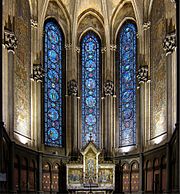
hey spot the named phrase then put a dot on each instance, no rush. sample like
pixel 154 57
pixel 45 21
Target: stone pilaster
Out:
pixel 169 46
pixel 108 132
pixel 112 59
pixel 141 173
pixel 69 73
pixel 142 76
pixel 72 92
pixel 10 43
pixel 39 185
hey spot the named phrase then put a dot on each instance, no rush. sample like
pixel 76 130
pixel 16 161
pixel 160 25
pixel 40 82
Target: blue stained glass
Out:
pixel 90 53
pixel 127 84
pixel 52 84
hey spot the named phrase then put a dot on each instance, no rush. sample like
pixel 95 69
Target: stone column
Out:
pixel 36 78
pixel 68 141
pixel 142 77
pixel 10 43
pixel 34 93
pixel 108 141
pixel 112 59
pixel 72 92
pixel 147 60
pixel 141 173
pixel 69 70
pixel 103 53
pixel 169 46
pixel 113 65
pixel 39 179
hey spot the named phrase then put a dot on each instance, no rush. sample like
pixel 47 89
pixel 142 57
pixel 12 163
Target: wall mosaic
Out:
pixel 158 67
pixel 22 64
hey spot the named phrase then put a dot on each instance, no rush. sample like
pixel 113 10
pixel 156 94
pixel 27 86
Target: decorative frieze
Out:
pixel 108 88
pixel 34 23
pixel 10 41
pixel 169 43
pixel 38 73
pixel 146 25
pixel 72 88
pixel 142 74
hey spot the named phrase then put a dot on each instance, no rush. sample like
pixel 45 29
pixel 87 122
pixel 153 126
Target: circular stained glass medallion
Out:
pixel 53 56
pixel 52 132
pixel 127 114
pixel 90 119
pixel 127 76
pixel 90 46
pixel 90 84
pixel 90 65
pixel 53 114
pixel 53 76
pixel 90 101
pixel 53 95
pixel 127 96
pixel 53 37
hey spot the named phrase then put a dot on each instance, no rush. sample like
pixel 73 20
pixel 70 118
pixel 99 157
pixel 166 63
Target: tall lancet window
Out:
pixel 53 84
pixel 90 75
pixel 127 84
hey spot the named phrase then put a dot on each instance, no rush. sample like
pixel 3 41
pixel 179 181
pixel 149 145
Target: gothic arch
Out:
pixel 118 17
pixel 96 25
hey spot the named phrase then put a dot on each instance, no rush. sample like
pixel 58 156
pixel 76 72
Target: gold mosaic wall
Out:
pixel 22 65
pixel 158 70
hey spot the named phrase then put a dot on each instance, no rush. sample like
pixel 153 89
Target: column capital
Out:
pixel 10 41
pixel 146 25
pixel 34 23
pixel 72 87
pixel 38 73
pixel 108 88
pixel 174 2
pixel 142 74
pixel 169 43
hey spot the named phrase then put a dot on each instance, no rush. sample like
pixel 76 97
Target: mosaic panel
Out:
pixel 158 71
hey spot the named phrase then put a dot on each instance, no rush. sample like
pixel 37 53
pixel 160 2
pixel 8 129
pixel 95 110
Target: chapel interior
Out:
pixel 89 97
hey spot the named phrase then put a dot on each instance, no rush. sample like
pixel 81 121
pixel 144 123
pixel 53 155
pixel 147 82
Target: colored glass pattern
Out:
pixel 127 85
pixel 90 47
pixel 53 84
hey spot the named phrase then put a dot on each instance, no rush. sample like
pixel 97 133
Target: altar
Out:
pixel 91 175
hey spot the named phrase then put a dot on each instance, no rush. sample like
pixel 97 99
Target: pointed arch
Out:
pixel 90 87
pixel 126 83
pixel 54 84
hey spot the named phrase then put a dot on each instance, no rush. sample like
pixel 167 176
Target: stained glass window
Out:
pixel 53 103
pixel 90 56
pixel 127 84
